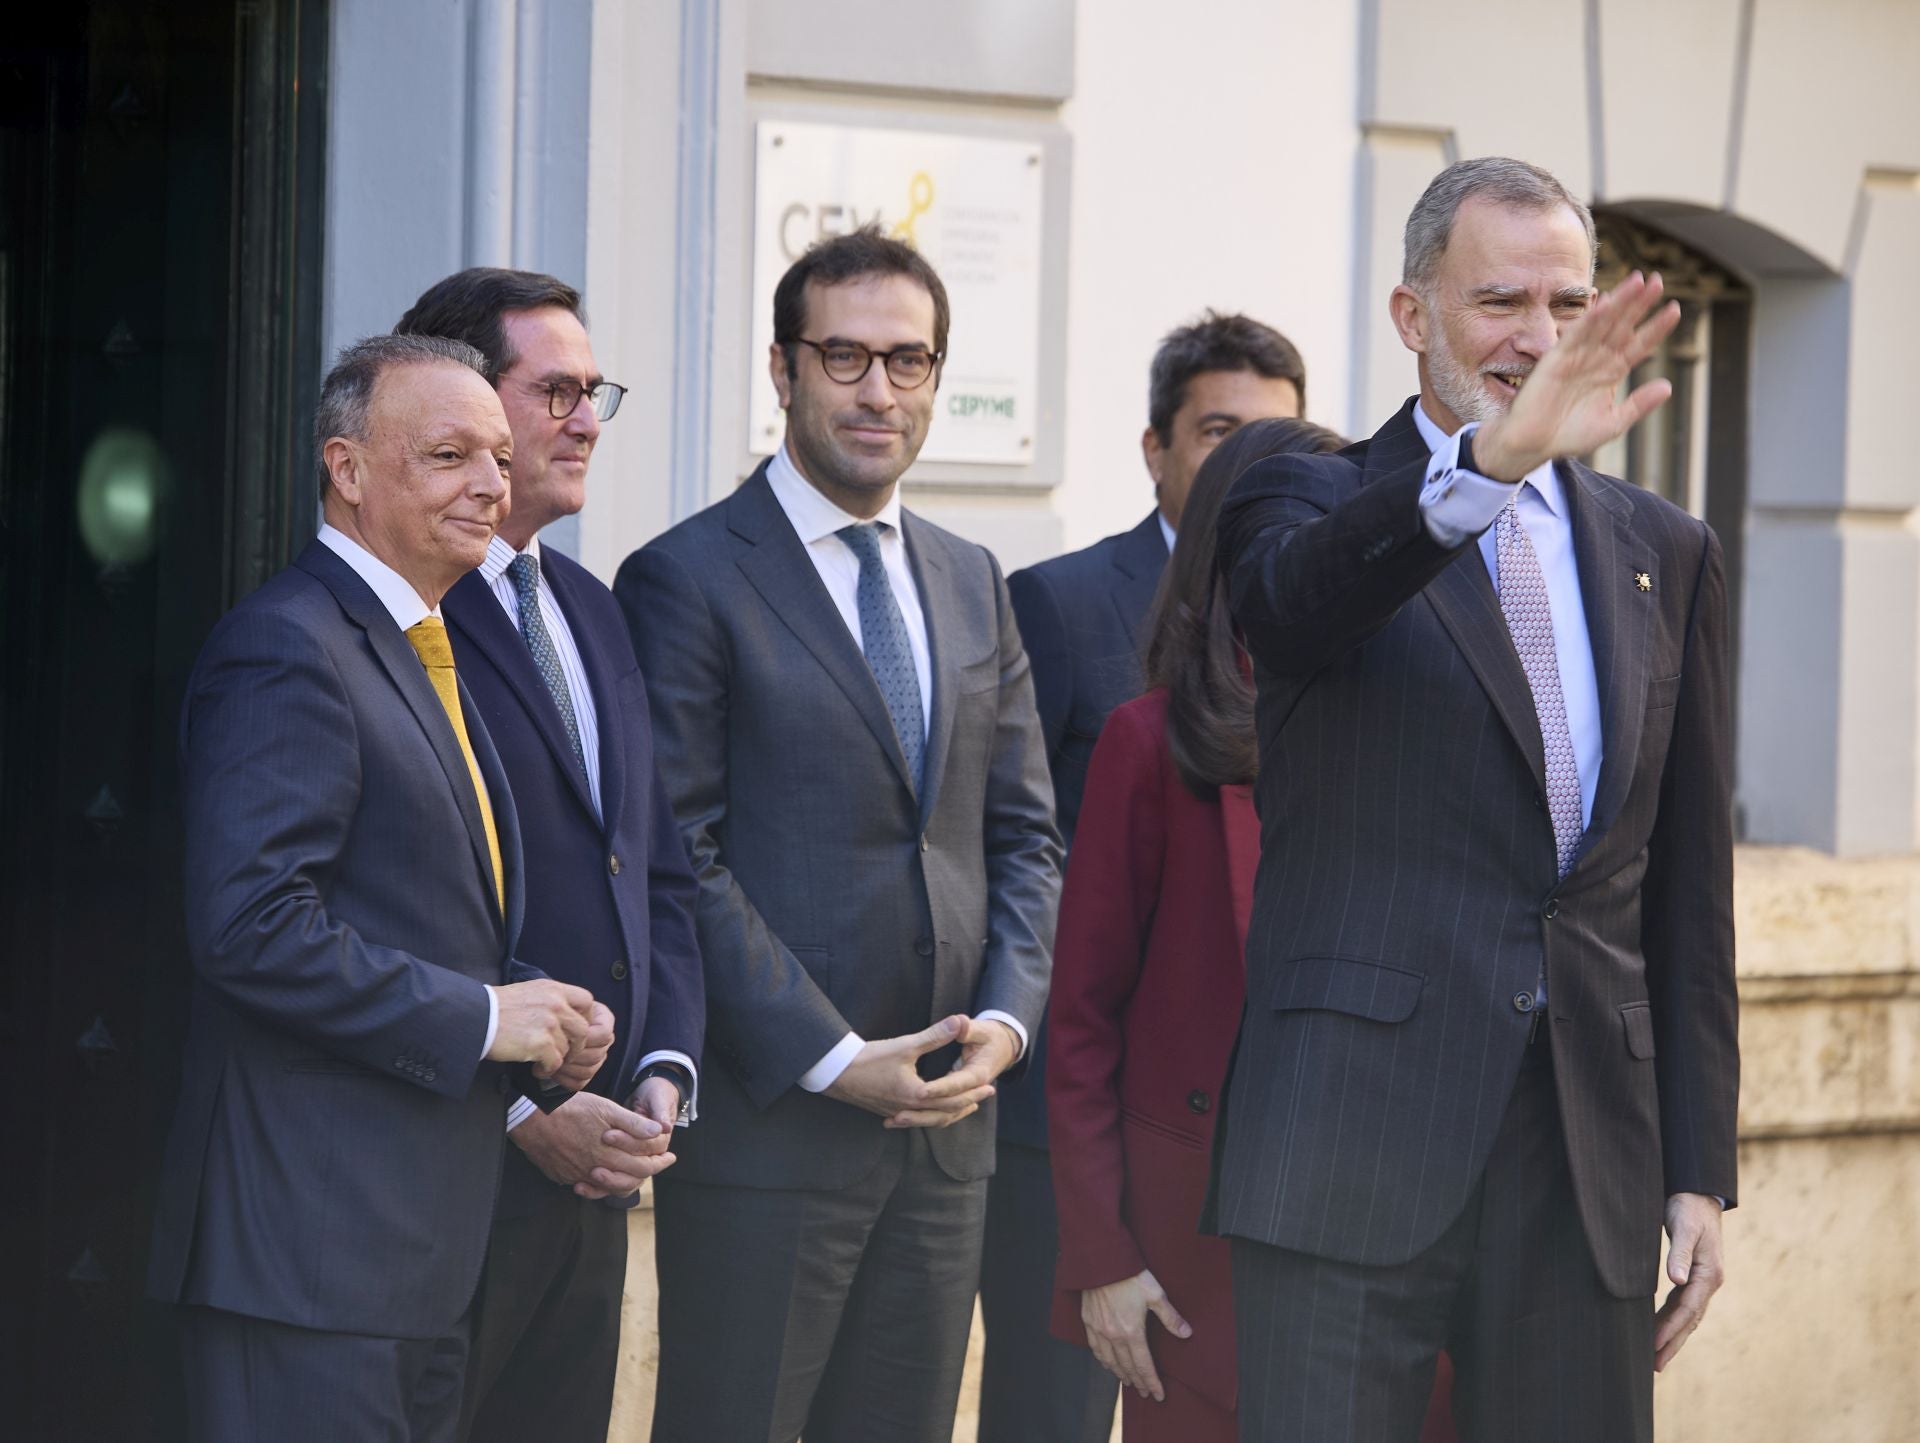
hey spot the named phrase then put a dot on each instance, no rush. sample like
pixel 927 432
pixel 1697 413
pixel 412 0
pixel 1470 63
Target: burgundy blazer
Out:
pixel 1148 981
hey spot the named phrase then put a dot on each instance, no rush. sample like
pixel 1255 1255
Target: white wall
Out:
pixel 1214 157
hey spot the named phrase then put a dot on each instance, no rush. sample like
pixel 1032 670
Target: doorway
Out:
pixel 160 183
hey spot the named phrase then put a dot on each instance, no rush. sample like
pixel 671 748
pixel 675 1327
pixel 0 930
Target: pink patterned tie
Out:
pixel 1523 601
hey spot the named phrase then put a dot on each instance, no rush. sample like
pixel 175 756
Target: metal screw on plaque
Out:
pixel 779 140
pixel 1034 159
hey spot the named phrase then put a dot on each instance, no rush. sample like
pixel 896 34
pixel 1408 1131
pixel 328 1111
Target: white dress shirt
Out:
pixel 1457 504
pixel 817 522
pixel 493 571
pixel 404 605
pixel 1166 530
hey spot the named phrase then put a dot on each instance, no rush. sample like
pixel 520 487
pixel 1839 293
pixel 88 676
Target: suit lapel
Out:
pixel 779 568
pixel 605 665
pixel 1139 560
pixel 402 664
pixel 506 819
pixel 472 606
pixel 936 603
pixel 1463 598
pixel 1607 552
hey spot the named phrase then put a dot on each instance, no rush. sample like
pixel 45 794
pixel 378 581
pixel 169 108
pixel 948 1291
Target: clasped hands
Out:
pixel 882 1078
pixel 589 1143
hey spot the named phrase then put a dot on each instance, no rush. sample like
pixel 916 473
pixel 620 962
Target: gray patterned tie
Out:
pixel 883 636
pixel 525 573
pixel 1523 600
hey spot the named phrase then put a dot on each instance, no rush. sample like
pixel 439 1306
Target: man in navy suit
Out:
pixel 1082 617
pixel 545 651
pixel 354 880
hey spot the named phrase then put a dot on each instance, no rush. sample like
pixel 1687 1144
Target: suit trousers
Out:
pixel 546 1323
pixel 841 1313
pixel 1334 1352
pixel 1034 1388
pixel 249 1379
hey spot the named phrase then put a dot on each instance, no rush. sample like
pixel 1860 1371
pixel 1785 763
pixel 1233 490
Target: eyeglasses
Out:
pixel 564 396
pixel 848 361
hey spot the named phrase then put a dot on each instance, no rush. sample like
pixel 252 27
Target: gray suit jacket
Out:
pixel 1408 894
pixel 832 899
pixel 337 1145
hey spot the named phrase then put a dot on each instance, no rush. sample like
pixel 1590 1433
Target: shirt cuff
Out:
pixel 991 1015
pixel 1456 504
pixel 519 1112
pixel 493 1022
pixel 824 1073
pixel 689 1113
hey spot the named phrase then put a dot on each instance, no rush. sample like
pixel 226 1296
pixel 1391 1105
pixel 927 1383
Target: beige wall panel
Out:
pixel 1812 1339
pixel 1667 78
pixel 1213 166
pixel 1881 371
pixel 1397 168
pixel 1831 93
pixel 1508 77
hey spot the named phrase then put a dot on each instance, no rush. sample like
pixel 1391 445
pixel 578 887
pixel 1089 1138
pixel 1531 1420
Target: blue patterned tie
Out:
pixel 1523 600
pixel 525 573
pixel 883 636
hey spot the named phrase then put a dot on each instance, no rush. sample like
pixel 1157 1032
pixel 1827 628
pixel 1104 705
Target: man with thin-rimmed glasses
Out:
pixel 543 649
pixel 847 725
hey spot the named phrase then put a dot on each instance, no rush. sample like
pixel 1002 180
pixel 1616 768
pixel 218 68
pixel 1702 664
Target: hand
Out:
pixel 1695 1264
pixel 987 1049
pixel 658 1099
pixel 881 1079
pixel 540 1022
pixel 1116 1321
pixel 1570 404
pixel 589 1052
pixel 594 1145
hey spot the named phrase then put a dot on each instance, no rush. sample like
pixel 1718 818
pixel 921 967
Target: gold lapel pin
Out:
pixel 1643 580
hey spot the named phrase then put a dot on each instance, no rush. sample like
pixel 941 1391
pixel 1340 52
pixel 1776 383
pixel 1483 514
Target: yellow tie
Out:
pixel 429 638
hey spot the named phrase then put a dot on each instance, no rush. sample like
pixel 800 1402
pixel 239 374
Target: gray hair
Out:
pixel 346 396
pixel 1495 177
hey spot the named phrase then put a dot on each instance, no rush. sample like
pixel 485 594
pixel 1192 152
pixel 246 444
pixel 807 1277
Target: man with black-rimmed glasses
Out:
pixel 846 722
pixel 543 650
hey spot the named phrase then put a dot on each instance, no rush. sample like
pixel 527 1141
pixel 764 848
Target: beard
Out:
pixel 1459 389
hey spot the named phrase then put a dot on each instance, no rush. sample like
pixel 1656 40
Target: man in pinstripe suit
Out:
pixel 1490 1034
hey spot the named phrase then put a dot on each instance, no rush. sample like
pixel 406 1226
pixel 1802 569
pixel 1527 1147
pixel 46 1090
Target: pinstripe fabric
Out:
pixel 1409 893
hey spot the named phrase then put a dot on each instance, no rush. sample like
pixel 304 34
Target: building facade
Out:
pixel 205 200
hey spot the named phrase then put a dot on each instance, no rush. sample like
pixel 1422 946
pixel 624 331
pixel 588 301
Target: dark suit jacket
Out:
pixel 610 897
pixel 1082 620
pixel 1148 982
pixel 1408 892
pixel 832 899
pixel 337 1144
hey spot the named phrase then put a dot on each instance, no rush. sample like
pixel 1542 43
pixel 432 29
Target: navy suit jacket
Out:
pixel 337 1144
pixel 1083 621
pixel 610 897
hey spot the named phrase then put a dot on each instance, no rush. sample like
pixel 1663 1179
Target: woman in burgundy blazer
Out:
pixel 1148 981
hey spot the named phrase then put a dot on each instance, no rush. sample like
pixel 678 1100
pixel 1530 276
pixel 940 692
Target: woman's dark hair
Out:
pixel 1191 647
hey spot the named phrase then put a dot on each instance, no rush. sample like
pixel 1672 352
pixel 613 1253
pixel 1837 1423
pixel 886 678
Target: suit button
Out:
pixel 1552 909
pixel 923 841
pixel 400 1064
pixel 619 970
pixel 613 863
pixel 427 1074
pixel 924 946
pixel 1523 1002
pixel 1198 1101
pixel 1539 802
